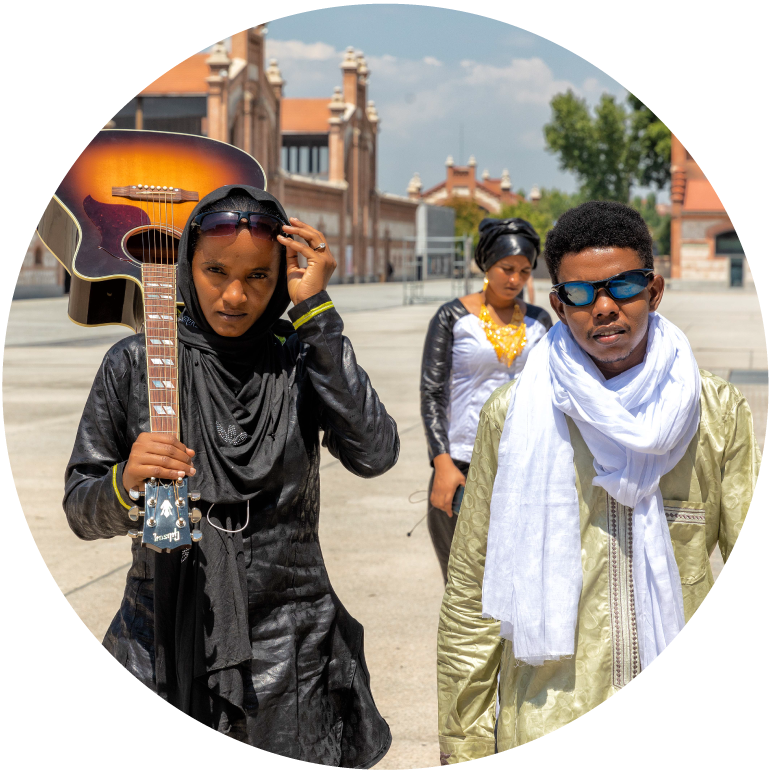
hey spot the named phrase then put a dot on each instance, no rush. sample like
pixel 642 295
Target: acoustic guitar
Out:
pixel 114 224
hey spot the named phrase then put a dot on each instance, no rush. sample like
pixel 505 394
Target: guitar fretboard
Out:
pixel 160 289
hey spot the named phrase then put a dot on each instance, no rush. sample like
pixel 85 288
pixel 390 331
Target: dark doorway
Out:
pixel 728 244
pixel 737 271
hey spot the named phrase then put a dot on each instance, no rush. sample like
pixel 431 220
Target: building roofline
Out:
pixel 156 94
pixel 332 184
pixel 397 198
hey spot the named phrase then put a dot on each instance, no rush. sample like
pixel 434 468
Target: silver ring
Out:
pixel 320 248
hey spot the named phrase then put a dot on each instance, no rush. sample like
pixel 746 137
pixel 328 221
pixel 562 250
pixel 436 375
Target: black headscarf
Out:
pixel 234 405
pixel 233 395
pixel 501 238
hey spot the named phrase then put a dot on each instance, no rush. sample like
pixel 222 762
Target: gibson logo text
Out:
pixel 172 536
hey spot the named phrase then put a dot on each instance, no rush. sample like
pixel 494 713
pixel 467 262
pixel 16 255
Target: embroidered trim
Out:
pixel 115 486
pixel 231 435
pixel 677 515
pixel 313 312
pixel 623 622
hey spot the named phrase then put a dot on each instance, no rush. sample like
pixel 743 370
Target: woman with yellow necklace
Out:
pixel 475 344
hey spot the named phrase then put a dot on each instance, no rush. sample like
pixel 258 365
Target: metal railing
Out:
pixel 439 270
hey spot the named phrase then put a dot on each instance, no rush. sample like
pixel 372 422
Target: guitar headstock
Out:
pixel 167 517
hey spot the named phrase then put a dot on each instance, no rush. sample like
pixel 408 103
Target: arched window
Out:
pixel 728 244
pixel 38 255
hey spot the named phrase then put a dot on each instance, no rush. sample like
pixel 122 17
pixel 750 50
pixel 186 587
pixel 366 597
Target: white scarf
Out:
pixel 637 426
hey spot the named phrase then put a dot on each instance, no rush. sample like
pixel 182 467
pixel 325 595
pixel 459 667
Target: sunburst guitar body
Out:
pixel 114 224
pixel 124 204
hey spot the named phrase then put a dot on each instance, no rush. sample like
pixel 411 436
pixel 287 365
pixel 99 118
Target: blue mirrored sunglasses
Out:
pixel 622 286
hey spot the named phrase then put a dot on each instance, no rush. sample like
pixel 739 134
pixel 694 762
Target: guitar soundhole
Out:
pixel 152 245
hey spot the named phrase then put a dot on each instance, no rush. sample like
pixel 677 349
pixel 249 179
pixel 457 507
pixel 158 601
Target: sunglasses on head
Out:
pixel 622 286
pixel 223 225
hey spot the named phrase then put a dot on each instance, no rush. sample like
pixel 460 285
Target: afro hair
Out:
pixel 597 224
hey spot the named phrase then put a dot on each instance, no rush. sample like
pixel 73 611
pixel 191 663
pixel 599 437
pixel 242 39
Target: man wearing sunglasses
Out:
pixel 601 481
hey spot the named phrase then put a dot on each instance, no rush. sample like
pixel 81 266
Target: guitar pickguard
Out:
pixel 114 221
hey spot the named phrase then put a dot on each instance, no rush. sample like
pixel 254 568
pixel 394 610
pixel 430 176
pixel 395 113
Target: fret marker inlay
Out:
pixel 158 280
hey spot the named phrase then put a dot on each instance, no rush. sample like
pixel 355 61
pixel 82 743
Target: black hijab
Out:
pixel 234 405
pixel 501 238
pixel 233 394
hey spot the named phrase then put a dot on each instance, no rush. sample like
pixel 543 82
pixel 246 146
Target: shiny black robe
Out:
pixel 306 694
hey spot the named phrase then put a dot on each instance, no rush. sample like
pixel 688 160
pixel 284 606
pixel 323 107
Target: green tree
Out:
pixel 658 224
pixel 653 145
pixel 544 213
pixel 611 150
pixel 467 216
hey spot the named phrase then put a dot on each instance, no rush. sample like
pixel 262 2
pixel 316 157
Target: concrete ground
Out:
pixel 390 582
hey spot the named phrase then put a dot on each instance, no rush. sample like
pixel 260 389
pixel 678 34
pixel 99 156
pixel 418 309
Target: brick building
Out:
pixel 461 182
pixel 319 155
pixel 705 246
pixel 41 274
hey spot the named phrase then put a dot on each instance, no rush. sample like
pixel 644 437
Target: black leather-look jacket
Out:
pixel 437 368
pixel 435 376
pixel 309 696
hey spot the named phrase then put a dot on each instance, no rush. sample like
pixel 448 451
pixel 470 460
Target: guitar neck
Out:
pixel 160 295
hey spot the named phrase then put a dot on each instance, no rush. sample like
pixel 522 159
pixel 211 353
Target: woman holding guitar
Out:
pixel 242 630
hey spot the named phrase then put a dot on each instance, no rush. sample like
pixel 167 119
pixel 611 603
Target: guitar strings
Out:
pixel 174 313
pixel 172 418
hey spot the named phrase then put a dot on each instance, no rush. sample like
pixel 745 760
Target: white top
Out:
pixel 476 374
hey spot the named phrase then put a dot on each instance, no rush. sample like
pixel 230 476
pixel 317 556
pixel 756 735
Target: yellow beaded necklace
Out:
pixel 508 340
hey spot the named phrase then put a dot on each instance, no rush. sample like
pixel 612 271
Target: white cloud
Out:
pixel 424 102
pixel 296 49
pixel 532 139
pixel 522 80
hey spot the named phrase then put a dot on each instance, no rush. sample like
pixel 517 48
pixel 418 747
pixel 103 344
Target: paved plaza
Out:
pixel 389 582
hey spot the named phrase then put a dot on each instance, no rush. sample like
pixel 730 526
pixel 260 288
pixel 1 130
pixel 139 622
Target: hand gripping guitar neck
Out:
pixel 166 516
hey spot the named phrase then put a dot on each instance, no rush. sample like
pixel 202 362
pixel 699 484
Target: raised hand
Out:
pixel 305 282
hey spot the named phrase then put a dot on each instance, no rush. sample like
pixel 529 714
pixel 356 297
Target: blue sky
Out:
pixel 434 71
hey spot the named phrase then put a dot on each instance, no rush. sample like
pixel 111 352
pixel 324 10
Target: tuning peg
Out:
pixel 133 534
pixel 195 515
pixel 134 494
pixel 151 502
pixel 194 495
pixel 151 522
pixel 196 536
pixel 134 513
pixel 180 502
pixel 181 522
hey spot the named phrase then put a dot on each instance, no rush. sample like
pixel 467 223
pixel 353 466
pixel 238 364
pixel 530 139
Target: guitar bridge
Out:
pixel 162 193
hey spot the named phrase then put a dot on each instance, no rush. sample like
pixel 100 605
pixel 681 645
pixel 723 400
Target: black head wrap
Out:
pixel 243 346
pixel 501 238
